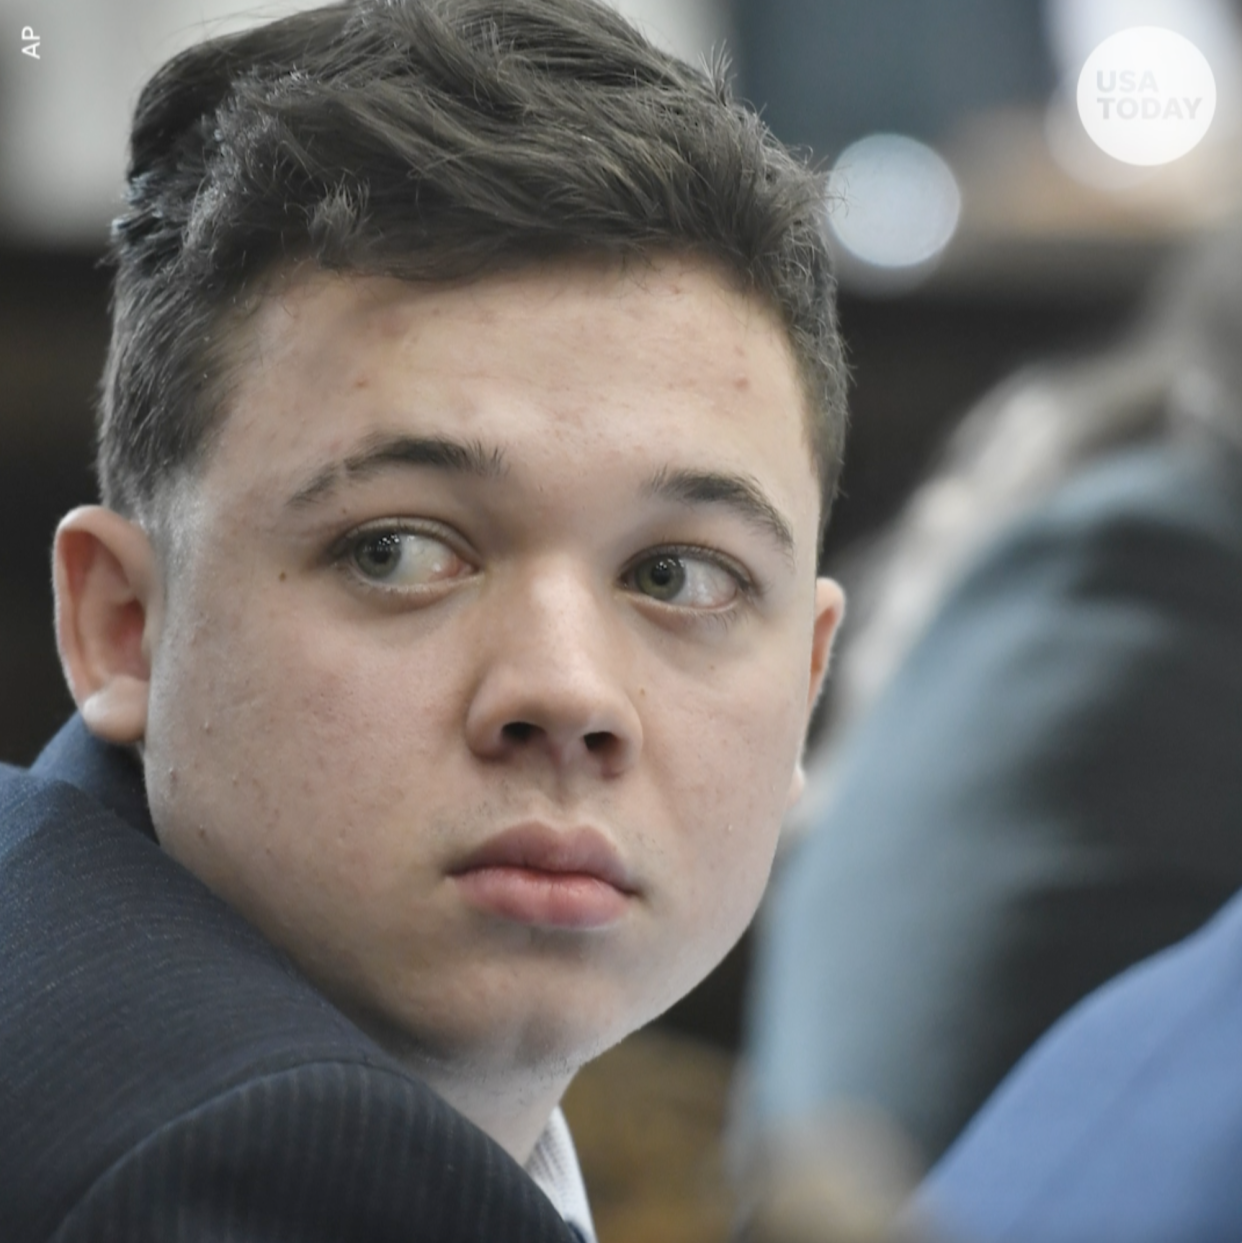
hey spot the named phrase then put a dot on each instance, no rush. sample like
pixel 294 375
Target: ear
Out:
pixel 107 592
pixel 829 609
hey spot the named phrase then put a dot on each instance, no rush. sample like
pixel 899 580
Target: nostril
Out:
pixel 524 731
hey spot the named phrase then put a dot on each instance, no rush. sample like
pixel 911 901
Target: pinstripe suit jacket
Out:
pixel 167 1075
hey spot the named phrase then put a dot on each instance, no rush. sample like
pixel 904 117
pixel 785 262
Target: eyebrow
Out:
pixel 384 450
pixel 739 493
pixel 380 452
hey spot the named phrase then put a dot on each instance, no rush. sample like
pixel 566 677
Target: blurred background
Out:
pixel 977 229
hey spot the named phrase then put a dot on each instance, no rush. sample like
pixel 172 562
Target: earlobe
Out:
pixel 797 785
pixel 106 584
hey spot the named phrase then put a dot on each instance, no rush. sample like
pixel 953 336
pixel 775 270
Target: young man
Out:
pixel 445 641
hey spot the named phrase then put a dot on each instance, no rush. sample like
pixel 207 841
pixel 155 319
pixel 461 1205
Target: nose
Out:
pixel 553 678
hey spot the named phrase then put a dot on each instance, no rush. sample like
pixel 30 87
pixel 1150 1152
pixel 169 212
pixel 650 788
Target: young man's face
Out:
pixel 482 683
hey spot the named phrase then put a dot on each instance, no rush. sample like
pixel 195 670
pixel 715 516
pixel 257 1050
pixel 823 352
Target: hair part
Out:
pixel 431 140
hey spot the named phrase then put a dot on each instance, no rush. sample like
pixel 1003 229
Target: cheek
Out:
pixel 731 762
pixel 752 719
pixel 290 734
pixel 721 766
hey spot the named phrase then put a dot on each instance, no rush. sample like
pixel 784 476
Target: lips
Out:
pixel 544 877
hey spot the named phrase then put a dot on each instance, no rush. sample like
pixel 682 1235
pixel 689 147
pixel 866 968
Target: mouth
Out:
pixel 544 877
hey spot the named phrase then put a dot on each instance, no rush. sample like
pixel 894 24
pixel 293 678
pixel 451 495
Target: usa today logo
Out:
pixel 1146 95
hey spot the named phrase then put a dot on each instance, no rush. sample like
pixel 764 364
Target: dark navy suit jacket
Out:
pixel 167 1075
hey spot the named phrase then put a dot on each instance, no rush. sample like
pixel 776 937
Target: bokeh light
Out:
pixel 894 202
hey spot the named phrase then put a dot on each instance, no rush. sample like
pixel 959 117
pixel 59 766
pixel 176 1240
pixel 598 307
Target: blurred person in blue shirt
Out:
pixel 1031 784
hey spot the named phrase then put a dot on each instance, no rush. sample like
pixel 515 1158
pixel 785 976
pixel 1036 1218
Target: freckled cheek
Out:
pixel 334 720
pixel 319 762
pixel 368 724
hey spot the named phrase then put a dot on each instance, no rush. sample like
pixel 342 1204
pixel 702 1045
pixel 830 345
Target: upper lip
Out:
pixel 542 848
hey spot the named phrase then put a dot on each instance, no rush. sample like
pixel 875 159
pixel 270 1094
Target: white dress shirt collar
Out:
pixel 554 1167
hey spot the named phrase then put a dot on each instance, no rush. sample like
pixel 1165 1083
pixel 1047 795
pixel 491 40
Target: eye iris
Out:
pixel 379 555
pixel 662 577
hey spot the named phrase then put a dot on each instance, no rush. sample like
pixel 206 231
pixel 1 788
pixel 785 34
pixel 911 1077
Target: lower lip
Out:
pixel 543 899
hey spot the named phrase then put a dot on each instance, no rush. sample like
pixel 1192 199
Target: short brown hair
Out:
pixel 431 140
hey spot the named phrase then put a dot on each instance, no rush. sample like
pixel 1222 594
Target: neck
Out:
pixel 514 1119
pixel 510 1104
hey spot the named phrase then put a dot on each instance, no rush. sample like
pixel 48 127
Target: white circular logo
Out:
pixel 1146 95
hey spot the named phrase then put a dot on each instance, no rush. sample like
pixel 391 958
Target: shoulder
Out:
pixel 1124 1121
pixel 158 1056
pixel 1168 500
pixel 1122 590
pixel 315 1153
pixel 1128 578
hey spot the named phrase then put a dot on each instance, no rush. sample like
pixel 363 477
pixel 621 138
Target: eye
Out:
pixel 688 581
pixel 396 558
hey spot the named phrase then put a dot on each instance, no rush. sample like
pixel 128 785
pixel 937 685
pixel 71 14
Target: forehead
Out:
pixel 613 366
